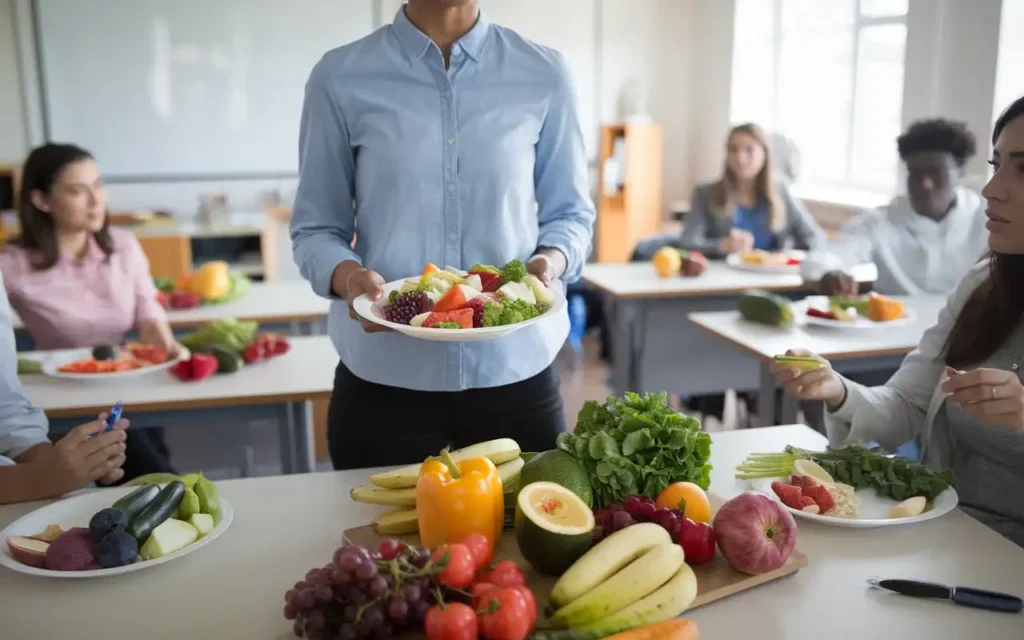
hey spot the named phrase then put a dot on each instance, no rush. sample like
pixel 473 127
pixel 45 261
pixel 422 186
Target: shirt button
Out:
pixel 451 140
pixel 451 188
pixel 452 236
pixel 447 93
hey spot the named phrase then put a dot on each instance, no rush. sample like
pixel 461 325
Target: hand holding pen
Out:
pixel 92 452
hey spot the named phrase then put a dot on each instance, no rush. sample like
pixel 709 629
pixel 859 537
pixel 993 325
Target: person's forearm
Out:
pixel 339 279
pixel 26 482
pixel 34 453
pixel 156 331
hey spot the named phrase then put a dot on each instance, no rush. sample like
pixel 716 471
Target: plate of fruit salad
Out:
pixel 873 311
pixel 454 305
pixel 104 362
pixel 110 532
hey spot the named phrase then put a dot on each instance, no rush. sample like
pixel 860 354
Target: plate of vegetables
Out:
pixel 455 305
pixel 106 362
pixel 851 486
pixel 873 311
pixel 110 532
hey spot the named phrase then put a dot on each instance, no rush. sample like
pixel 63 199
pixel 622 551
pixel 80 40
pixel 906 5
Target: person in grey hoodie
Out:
pixel 31 467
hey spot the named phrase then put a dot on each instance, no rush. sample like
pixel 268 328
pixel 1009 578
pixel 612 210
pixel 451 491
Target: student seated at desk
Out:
pixel 747 208
pixel 960 391
pixel 75 281
pixel 921 242
pixel 30 467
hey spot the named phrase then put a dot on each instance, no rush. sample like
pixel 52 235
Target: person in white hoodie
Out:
pixel 922 242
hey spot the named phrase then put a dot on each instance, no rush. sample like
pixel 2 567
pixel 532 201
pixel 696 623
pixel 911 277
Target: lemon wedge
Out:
pixel 909 508
pixel 811 469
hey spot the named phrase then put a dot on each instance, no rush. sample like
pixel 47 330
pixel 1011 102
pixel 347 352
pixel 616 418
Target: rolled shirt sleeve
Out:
pixel 565 210
pixel 323 216
pixel 22 426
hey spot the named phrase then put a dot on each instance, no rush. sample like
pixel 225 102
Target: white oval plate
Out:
pixel 56 359
pixel 859 323
pixel 736 262
pixel 76 512
pixel 374 312
pixel 874 509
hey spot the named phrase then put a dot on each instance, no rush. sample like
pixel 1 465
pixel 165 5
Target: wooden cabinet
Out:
pixel 629 199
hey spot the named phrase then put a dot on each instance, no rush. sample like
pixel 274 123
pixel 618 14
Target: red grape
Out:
pixel 349 562
pixel 632 505
pixel 412 593
pixel 365 571
pixel 614 507
pixel 323 594
pixel 646 512
pixel 621 520
pixel 347 631
pixel 298 629
pixel 349 613
pixel 305 600
pixel 377 587
pixel 667 520
pixel 315 620
pixel 398 609
pixel 290 612
pixel 373 618
pixel 389 549
pixel 289 595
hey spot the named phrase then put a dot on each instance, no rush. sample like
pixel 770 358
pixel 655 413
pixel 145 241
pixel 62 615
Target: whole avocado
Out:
pixel 559 467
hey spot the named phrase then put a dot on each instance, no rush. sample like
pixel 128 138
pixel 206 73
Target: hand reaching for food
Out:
pixel 993 396
pixel 737 240
pixel 807 376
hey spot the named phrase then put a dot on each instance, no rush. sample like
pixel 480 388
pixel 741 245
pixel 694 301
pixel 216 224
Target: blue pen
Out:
pixel 112 418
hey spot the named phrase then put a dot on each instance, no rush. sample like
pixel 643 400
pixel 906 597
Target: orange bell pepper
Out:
pixel 453 500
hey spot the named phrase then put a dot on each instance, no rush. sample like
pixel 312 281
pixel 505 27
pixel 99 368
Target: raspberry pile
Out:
pixel 406 306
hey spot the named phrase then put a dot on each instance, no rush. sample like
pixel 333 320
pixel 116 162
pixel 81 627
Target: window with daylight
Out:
pixel 829 76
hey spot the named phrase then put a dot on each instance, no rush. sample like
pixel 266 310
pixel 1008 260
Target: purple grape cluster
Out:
pixel 406 306
pixel 363 594
pixel 632 510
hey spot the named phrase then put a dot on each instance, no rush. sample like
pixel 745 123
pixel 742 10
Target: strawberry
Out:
pixel 182 370
pixel 821 497
pixel 477 305
pixel 790 495
pixel 203 366
pixel 280 346
pixel 253 353
pixel 803 481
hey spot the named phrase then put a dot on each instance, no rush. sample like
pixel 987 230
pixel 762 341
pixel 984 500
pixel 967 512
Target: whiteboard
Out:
pixel 196 88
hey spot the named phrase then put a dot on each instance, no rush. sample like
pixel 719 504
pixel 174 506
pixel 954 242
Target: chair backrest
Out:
pixel 786 155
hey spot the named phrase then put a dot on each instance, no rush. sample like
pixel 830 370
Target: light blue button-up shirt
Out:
pixel 480 162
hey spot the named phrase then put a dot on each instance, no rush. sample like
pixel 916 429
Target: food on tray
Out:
pixel 448 593
pixel 873 307
pixel 454 499
pixel 144 524
pixel 554 526
pixel 559 467
pixel 882 309
pixel 484 296
pixel 909 508
pixel 804 363
pixel 213 282
pixel 765 308
pixel 891 477
pixel 669 261
pixel 624 581
pixel 768 258
pixel 406 497
pixel 637 444
pixel 687 498
pixel 754 533
pixel 497 451
pixel 696 538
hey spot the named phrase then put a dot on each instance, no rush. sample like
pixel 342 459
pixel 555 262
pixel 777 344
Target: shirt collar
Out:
pixel 93 253
pixel 416 43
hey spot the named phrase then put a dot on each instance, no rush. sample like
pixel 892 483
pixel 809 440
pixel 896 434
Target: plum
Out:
pixel 117 549
pixel 107 521
pixel 74 550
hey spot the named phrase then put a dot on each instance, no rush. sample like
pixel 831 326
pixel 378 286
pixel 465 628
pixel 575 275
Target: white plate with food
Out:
pixel 785 262
pixel 865 508
pixel 27 541
pixel 833 313
pixel 114 363
pixel 452 305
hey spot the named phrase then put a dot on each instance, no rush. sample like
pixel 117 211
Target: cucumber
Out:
pixel 137 500
pixel 161 508
pixel 765 308
pixel 228 360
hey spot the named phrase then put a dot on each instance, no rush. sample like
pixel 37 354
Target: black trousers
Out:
pixel 373 425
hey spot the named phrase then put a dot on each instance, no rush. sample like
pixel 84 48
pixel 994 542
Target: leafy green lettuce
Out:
pixel 637 445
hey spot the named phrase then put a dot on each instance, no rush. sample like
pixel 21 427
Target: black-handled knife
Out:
pixel 965 596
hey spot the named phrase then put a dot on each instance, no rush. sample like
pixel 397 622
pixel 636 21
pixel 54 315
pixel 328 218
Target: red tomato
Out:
pixel 504 574
pixel 456 621
pixel 480 548
pixel 458 572
pixel 480 589
pixel 531 602
pixel 505 615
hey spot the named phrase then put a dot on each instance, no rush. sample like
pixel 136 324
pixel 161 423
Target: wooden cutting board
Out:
pixel 715 580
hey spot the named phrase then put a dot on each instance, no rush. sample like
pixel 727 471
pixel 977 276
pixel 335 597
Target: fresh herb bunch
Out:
pixel 637 445
pixel 860 467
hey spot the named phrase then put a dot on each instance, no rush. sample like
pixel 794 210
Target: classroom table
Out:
pixel 281 388
pixel 286 525
pixel 654 347
pixel 849 350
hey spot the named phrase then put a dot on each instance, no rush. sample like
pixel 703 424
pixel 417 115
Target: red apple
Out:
pixel 755 533
pixel 28 550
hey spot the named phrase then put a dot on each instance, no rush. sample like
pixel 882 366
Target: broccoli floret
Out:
pixel 446 325
pixel 514 271
pixel 514 311
pixel 485 267
pixel 492 314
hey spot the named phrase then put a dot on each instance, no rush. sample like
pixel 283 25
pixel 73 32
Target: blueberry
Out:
pixel 107 521
pixel 116 549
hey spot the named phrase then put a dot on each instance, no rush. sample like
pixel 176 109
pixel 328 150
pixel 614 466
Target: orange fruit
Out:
pixel 688 498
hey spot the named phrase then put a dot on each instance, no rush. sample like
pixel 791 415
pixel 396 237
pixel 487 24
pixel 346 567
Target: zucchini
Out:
pixel 161 508
pixel 765 308
pixel 228 360
pixel 137 500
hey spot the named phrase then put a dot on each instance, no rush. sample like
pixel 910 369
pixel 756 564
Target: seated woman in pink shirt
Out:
pixel 75 281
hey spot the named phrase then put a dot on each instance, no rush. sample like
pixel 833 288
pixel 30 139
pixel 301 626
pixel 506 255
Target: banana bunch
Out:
pixel 397 488
pixel 634 576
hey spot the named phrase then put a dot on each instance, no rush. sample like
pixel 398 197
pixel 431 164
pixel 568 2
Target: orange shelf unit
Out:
pixel 633 211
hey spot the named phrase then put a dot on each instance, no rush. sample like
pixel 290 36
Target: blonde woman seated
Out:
pixel 960 391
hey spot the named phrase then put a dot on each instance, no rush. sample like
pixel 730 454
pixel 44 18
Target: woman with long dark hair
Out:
pixel 77 282
pixel 960 391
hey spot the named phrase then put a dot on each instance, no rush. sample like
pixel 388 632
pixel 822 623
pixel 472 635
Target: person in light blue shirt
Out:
pixel 439 138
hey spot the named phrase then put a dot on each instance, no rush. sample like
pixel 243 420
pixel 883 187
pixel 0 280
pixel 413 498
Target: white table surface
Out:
pixel 638 280
pixel 286 525
pixel 306 370
pixel 764 342
pixel 283 301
